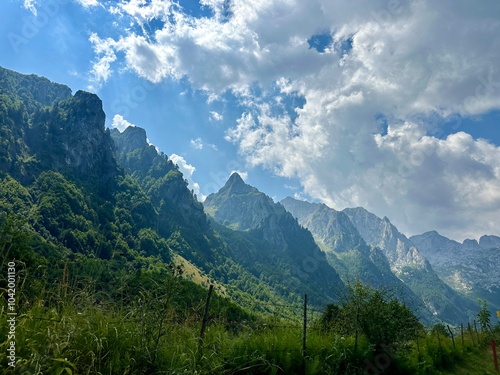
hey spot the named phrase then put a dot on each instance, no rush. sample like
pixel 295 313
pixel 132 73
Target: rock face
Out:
pixel 243 207
pixel 470 267
pixel 160 179
pixel 410 266
pixel 46 128
pixel 348 252
pixel 70 138
pixel 280 240
pixel 331 228
pixel 88 147
pixel 379 232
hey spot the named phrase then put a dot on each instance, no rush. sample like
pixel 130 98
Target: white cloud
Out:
pixel 88 3
pixel 120 123
pixel 413 62
pixel 31 6
pixel 104 49
pixel 215 116
pixel 196 143
pixel 187 171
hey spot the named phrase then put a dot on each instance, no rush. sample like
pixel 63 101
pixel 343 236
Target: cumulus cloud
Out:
pixel 105 52
pixel 120 123
pixel 31 6
pixel 196 143
pixel 88 3
pixel 187 171
pixel 215 116
pixel 412 63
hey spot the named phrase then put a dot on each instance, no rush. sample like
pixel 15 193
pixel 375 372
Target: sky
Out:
pixel 392 105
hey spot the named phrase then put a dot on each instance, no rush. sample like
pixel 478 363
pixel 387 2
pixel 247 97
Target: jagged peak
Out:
pixel 294 201
pixel 470 244
pixel 358 211
pixel 305 203
pixel 81 94
pixel 434 234
pixel 489 241
pixel 236 185
pixel 131 138
pixel 138 133
pixel 235 178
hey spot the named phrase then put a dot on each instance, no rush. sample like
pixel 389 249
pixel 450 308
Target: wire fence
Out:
pixel 304 320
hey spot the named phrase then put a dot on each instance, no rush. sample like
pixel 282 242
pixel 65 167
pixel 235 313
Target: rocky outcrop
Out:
pixel 470 267
pixel 409 265
pixel 160 179
pixel 381 233
pixel 281 241
pixel 329 227
pixel 71 138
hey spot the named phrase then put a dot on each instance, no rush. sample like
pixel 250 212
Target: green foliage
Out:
pixel 484 316
pixel 32 90
pixel 96 290
pixel 377 315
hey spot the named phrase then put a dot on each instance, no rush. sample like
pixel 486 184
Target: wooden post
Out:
pixel 204 322
pixel 475 329
pixel 356 330
pixel 470 332
pixel 452 338
pixel 495 358
pixel 304 328
pixel 462 332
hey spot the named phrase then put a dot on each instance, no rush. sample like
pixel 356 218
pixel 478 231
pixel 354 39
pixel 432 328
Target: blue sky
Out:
pixel 391 105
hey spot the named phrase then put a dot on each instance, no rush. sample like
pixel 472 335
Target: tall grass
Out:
pixel 148 335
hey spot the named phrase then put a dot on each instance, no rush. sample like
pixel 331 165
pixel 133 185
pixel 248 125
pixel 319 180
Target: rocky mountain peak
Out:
pixel 434 240
pixel 132 138
pixel 236 185
pixel 489 242
pixel 469 267
pixel 239 204
pixel 470 244
pixel 330 227
pixel 86 107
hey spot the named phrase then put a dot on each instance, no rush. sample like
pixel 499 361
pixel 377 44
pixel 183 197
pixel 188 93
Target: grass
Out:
pixel 476 363
pixel 154 333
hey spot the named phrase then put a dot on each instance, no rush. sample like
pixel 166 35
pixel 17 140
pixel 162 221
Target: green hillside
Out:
pixel 107 258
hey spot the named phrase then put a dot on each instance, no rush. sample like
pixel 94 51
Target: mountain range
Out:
pixel 90 192
pixel 471 267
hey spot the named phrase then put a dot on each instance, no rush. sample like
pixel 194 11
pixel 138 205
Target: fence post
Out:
pixel 462 332
pixel 477 334
pixel 470 332
pixel 304 328
pixel 452 338
pixel 439 340
pixel 495 358
pixel 204 322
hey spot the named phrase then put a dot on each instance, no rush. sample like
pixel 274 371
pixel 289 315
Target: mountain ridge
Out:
pixel 247 212
pixel 111 194
pixel 470 267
